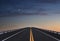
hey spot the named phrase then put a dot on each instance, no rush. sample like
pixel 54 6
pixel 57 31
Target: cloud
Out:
pixel 24 7
pixel 17 12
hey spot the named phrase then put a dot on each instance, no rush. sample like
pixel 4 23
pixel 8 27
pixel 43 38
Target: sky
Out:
pixel 15 14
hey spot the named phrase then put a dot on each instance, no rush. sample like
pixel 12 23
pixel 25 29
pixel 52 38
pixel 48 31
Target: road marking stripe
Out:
pixel 12 35
pixel 48 35
pixel 31 35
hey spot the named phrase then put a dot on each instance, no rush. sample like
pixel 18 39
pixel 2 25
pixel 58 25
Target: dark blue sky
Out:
pixel 27 7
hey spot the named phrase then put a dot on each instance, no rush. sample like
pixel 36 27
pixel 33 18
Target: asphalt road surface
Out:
pixel 28 34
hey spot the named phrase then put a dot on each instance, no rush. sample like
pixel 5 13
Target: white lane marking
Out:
pixel 12 35
pixel 48 35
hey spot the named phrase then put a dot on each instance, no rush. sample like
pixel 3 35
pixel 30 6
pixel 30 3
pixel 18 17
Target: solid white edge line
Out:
pixel 12 35
pixel 48 35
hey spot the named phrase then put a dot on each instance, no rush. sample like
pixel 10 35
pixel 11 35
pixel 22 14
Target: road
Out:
pixel 28 34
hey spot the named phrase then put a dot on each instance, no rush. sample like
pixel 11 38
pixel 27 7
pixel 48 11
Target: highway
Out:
pixel 28 34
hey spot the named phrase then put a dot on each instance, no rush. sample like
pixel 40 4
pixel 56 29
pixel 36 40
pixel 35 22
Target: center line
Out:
pixel 31 35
